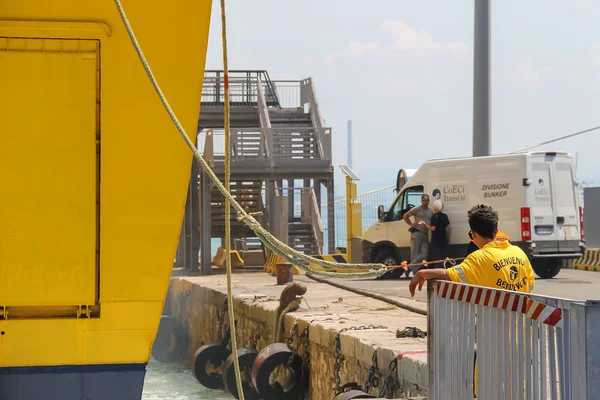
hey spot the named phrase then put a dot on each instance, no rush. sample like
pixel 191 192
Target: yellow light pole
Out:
pixel 353 213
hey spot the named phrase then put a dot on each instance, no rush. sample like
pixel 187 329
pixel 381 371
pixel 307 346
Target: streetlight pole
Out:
pixel 482 140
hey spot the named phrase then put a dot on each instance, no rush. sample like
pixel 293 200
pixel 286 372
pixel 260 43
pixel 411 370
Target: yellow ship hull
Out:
pixel 93 177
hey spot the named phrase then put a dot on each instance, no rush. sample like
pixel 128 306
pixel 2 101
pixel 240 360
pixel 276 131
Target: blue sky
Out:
pixel 402 72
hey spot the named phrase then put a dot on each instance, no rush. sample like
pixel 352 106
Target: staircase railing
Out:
pixel 279 143
pixel 312 215
pixel 309 95
pixel 289 93
pixel 265 122
pixel 243 88
pixel 294 143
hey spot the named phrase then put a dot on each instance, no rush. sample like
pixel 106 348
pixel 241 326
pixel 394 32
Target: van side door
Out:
pixel 398 229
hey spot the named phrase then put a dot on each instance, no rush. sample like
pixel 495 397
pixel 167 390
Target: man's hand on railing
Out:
pixel 425 274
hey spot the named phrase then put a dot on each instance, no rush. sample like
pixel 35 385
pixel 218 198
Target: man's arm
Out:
pixel 448 232
pixel 430 227
pixel 425 274
pixel 406 218
pixel 468 271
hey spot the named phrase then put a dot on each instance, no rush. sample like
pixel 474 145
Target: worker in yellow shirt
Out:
pixel 497 263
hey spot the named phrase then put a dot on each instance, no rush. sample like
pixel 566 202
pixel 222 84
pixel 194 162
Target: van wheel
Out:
pixel 386 257
pixel 547 269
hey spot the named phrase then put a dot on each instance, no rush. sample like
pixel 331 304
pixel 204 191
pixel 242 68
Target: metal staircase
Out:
pixel 277 140
pixel 249 195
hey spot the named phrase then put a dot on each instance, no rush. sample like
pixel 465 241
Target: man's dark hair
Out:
pixel 425 196
pixel 483 220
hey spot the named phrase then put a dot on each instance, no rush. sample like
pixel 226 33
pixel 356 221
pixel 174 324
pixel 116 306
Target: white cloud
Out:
pixel 353 49
pixel 404 39
pixel 407 38
pixel 579 71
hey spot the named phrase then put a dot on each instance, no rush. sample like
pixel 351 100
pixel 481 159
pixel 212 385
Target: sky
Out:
pixel 402 71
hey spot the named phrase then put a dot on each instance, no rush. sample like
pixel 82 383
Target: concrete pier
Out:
pixel 196 301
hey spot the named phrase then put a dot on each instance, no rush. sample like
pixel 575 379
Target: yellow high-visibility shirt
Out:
pixel 498 265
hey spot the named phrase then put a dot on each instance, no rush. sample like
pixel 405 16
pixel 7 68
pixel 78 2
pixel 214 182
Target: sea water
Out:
pixel 176 382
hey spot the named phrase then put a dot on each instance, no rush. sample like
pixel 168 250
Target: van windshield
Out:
pixel 408 199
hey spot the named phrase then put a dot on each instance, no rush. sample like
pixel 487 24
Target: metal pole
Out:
pixel 349 145
pixel 349 199
pixel 330 217
pixel 482 143
pixel 271 188
pixel 430 339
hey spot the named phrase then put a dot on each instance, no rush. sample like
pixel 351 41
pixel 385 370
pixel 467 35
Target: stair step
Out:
pixel 299 226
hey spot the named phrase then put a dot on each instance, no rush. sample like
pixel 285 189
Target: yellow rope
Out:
pixel 236 363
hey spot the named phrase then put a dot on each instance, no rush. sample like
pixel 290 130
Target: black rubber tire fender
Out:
pixel 271 357
pixel 171 342
pixel 214 353
pixel 246 359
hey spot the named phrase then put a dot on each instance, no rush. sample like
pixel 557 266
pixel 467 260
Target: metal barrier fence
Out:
pixel 243 88
pixel 525 346
pixel 289 93
pixel 280 143
pixel 369 200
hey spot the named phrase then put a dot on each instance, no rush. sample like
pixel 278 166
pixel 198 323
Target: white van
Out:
pixel 536 196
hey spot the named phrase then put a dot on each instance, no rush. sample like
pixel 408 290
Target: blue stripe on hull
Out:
pixel 73 382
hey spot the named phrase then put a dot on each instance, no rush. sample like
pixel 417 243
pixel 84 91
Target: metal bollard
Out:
pixel 284 274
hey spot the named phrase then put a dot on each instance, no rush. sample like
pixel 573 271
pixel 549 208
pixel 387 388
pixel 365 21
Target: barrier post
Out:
pixel 430 338
pixel 353 210
pixel 586 370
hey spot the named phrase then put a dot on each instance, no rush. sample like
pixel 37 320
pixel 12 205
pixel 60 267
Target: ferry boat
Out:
pixel 93 180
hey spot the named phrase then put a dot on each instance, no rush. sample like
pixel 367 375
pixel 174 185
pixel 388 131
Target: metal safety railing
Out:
pixel 369 200
pixel 289 93
pixel 281 143
pixel 494 344
pixel 243 88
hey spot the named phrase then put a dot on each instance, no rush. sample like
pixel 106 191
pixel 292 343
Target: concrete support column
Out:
pixel 290 199
pixel 193 221
pixel 180 254
pixel 206 227
pixel 304 199
pixel 318 192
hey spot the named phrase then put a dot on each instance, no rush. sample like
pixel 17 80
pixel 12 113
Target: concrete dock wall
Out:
pixel 196 301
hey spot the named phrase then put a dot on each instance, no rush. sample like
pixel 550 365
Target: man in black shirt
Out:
pixel 440 234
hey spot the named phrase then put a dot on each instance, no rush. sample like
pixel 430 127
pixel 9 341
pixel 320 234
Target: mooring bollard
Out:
pixel 284 274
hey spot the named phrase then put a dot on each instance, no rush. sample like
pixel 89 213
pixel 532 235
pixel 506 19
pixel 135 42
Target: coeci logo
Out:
pixel 436 194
